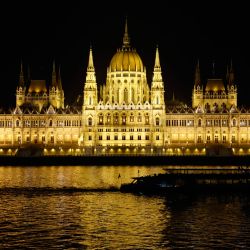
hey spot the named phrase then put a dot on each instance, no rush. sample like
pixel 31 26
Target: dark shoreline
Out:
pixel 125 160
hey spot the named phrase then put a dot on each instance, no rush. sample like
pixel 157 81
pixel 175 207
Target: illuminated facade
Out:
pixel 126 115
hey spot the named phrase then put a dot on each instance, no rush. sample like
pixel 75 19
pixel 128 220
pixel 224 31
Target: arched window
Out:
pixel 90 121
pixel 50 123
pixel 116 118
pixel 146 119
pixel 108 119
pixel 101 119
pixel 90 100
pixel 234 122
pixel 139 118
pixel 133 95
pixel 125 95
pixel 199 123
pixel 131 117
pixel 157 121
pixel 17 123
pixel 157 100
pixel 123 119
pixel 117 96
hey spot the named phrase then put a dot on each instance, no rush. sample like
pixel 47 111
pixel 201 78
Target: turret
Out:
pixel 60 92
pixel 197 96
pixel 56 94
pixel 157 87
pixel 20 91
pixel 231 87
pixel 90 87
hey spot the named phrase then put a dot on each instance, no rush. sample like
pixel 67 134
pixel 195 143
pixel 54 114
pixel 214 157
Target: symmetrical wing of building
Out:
pixel 126 115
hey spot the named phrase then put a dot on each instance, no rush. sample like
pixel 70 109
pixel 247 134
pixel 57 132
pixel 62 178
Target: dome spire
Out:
pixel 126 39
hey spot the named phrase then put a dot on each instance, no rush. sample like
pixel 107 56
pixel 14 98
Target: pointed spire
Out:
pixel 213 68
pixel 227 74
pixel 157 74
pixel 29 74
pixel 231 65
pixel 231 74
pixel 90 77
pixel 21 77
pixel 54 81
pixel 197 77
pixel 157 59
pixel 173 98
pixel 126 39
pixel 59 79
pixel 54 66
pixel 91 63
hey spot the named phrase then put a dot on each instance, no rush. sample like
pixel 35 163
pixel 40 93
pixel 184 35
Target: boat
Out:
pixel 191 180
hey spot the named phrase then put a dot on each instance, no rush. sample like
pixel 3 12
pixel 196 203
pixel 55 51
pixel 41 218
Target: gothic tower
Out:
pixel 90 99
pixel 197 96
pixel 231 87
pixel 90 87
pixel 56 93
pixel 157 87
pixel 20 91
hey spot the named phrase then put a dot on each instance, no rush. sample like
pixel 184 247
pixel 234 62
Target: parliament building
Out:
pixel 126 115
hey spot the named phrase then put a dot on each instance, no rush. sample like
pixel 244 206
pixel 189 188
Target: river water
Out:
pixel 79 208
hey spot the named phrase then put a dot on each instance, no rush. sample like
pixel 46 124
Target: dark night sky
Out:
pixel 39 31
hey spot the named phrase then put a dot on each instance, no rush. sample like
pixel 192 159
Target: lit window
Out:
pixel 139 118
pixel 157 121
pixel 90 121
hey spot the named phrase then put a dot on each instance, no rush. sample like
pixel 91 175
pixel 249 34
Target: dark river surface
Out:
pixel 78 208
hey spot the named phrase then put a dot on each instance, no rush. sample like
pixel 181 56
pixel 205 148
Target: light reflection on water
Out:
pixel 112 220
pixel 67 176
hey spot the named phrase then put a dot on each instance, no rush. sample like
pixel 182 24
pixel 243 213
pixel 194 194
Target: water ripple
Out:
pixel 75 213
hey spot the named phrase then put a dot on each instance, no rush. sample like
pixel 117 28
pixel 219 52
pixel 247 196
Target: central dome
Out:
pixel 126 59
